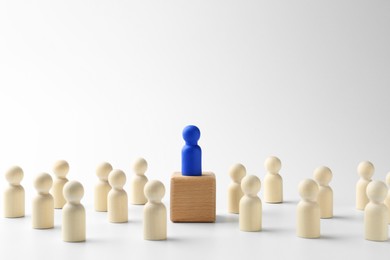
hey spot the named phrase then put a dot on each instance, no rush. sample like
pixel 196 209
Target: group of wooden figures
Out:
pixel 109 196
pixel 316 199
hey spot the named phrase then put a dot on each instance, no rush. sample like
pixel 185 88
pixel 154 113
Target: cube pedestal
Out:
pixel 193 198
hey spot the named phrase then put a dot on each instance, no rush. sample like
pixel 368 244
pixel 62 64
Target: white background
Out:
pixel 92 81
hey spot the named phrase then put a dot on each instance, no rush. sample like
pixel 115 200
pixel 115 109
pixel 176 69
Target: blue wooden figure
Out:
pixel 191 154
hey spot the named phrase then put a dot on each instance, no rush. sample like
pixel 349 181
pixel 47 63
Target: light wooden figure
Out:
pixel 235 193
pixel 365 170
pixel 73 213
pixel 376 213
pixel 387 200
pixel 14 195
pixel 43 203
pixel 155 213
pixel 250 218
pixel 117 202
pixel 273 182
pixel 102 187
pixel 138 182
pixel 308 210
pixel 323 175
pixel 60 170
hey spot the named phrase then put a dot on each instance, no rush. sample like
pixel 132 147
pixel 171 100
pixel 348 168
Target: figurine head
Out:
pixel 273 164
pixel 251 185
pixel 376 191
pixel 43 183
pixel 308 190
pixel 61 168
pixel 323 175
pixel 237 172
pixel 366 170
pixel 140 166
pixel 102 171
pixel 14 175
pixel 154 190
pixel 73 191
pixel 117 179
pixel 191 134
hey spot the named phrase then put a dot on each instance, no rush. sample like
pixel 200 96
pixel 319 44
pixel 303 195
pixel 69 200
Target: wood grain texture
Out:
pixel 193 198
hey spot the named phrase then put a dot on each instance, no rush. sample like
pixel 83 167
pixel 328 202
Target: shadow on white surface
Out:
pixel 231 218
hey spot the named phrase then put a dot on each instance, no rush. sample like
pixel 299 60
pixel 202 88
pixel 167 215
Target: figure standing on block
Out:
pixel 73 213
pixel 192 192
pixel 308 210
pixel 191 154
pixel 236 172
pixel 60 169
pixel 138 182
pixel 273 182
pixel 376 213
pixel 250 217
pixel 365 170
pixel 13 199
pixel 102 187
pixel 323 175
pixel 155 213
pixel 387 200
pixel 43 203
pixel 117 198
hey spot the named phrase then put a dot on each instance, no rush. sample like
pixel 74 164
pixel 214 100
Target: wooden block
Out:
pixel 193 198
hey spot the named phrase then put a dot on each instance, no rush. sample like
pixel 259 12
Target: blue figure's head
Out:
pixel 191 134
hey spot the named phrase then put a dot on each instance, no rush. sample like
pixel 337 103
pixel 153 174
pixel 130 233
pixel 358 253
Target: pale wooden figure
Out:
pixel 14 195
pixel 376 212
pixel 365 170
pixel 117 203
pixel 308 210
pixel 235 193
pixel 102 187
pixel 273 182
pixel 387 200
pixel 138 182
pixel 43 203
pixel 323 175
pixel 155 213
pixel 60 170
pixel 73 213
pixel 250 218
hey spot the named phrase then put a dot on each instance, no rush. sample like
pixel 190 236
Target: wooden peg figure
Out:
pixel 138 182
pixel 14 195
pixel 102 187
pixel 308 210
pixel 273 182
pixel 73 213
pixel 250 218
pixel 60 169
pixel 155 213
pixel 43 203
pixel 365 170
pixel 117 204
pixel 191 153
pixel 323 175
pixel 376 213
pixel 235 193
pixel 387 200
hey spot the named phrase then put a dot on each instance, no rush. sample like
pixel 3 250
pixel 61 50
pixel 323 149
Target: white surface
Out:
pixel 341 237
pixel 87 81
